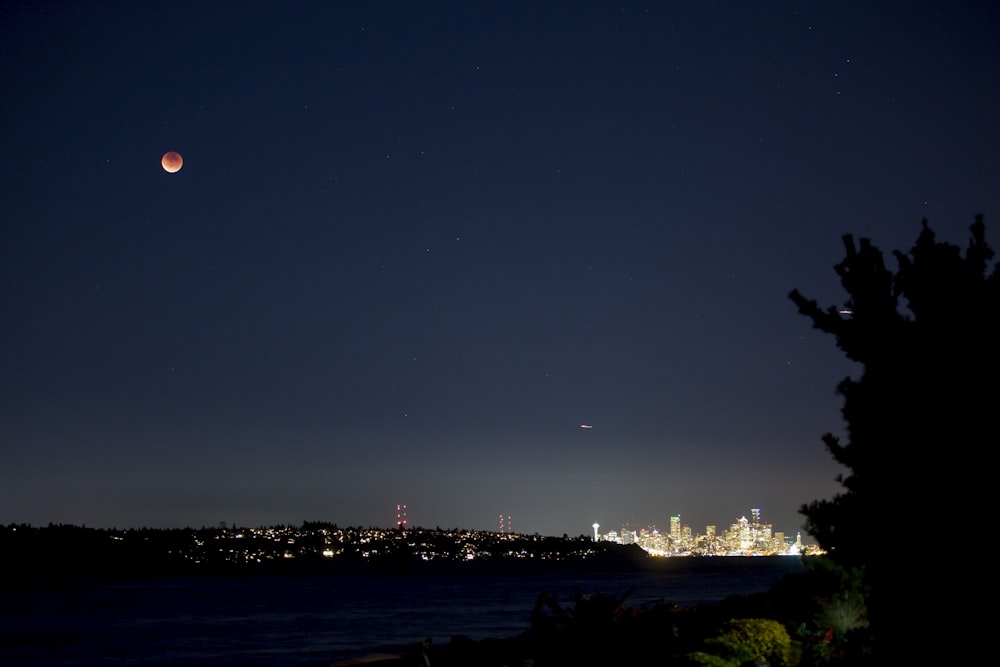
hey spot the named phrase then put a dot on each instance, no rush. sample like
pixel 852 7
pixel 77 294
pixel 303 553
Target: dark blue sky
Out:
pixel 415 245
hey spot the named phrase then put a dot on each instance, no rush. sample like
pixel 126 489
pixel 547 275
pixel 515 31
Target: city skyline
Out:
pixel 743 536
pixel 506 524
pixel 401 521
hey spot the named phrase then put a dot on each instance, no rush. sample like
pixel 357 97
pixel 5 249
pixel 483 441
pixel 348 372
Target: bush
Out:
pixel 704 659
pixel 757 640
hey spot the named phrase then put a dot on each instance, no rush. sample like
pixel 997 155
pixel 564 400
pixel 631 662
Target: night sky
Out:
pixel 414 246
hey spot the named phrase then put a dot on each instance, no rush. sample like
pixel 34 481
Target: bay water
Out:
pixel 314 620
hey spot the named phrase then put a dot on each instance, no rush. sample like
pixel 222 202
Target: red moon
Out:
pixel 172 161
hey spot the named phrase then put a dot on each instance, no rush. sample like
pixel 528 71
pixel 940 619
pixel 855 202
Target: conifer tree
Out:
pixel 921 416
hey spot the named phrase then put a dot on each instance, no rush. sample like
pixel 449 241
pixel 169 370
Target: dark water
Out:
pixel 309 621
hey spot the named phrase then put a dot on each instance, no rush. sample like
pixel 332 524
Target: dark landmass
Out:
pixel 32 554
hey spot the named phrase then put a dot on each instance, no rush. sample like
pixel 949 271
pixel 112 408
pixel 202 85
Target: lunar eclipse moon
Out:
pixel 172 161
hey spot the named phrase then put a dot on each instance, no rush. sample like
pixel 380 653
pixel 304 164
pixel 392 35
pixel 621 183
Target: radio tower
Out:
pixel 401 517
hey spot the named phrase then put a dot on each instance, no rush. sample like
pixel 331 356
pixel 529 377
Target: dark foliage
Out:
pixel 921 418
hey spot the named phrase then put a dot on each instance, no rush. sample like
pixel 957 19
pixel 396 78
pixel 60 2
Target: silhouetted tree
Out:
pixel 921 418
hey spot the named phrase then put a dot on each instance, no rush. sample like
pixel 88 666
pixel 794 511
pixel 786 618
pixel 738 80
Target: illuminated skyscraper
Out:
pixel 596 534
pixel 400 516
